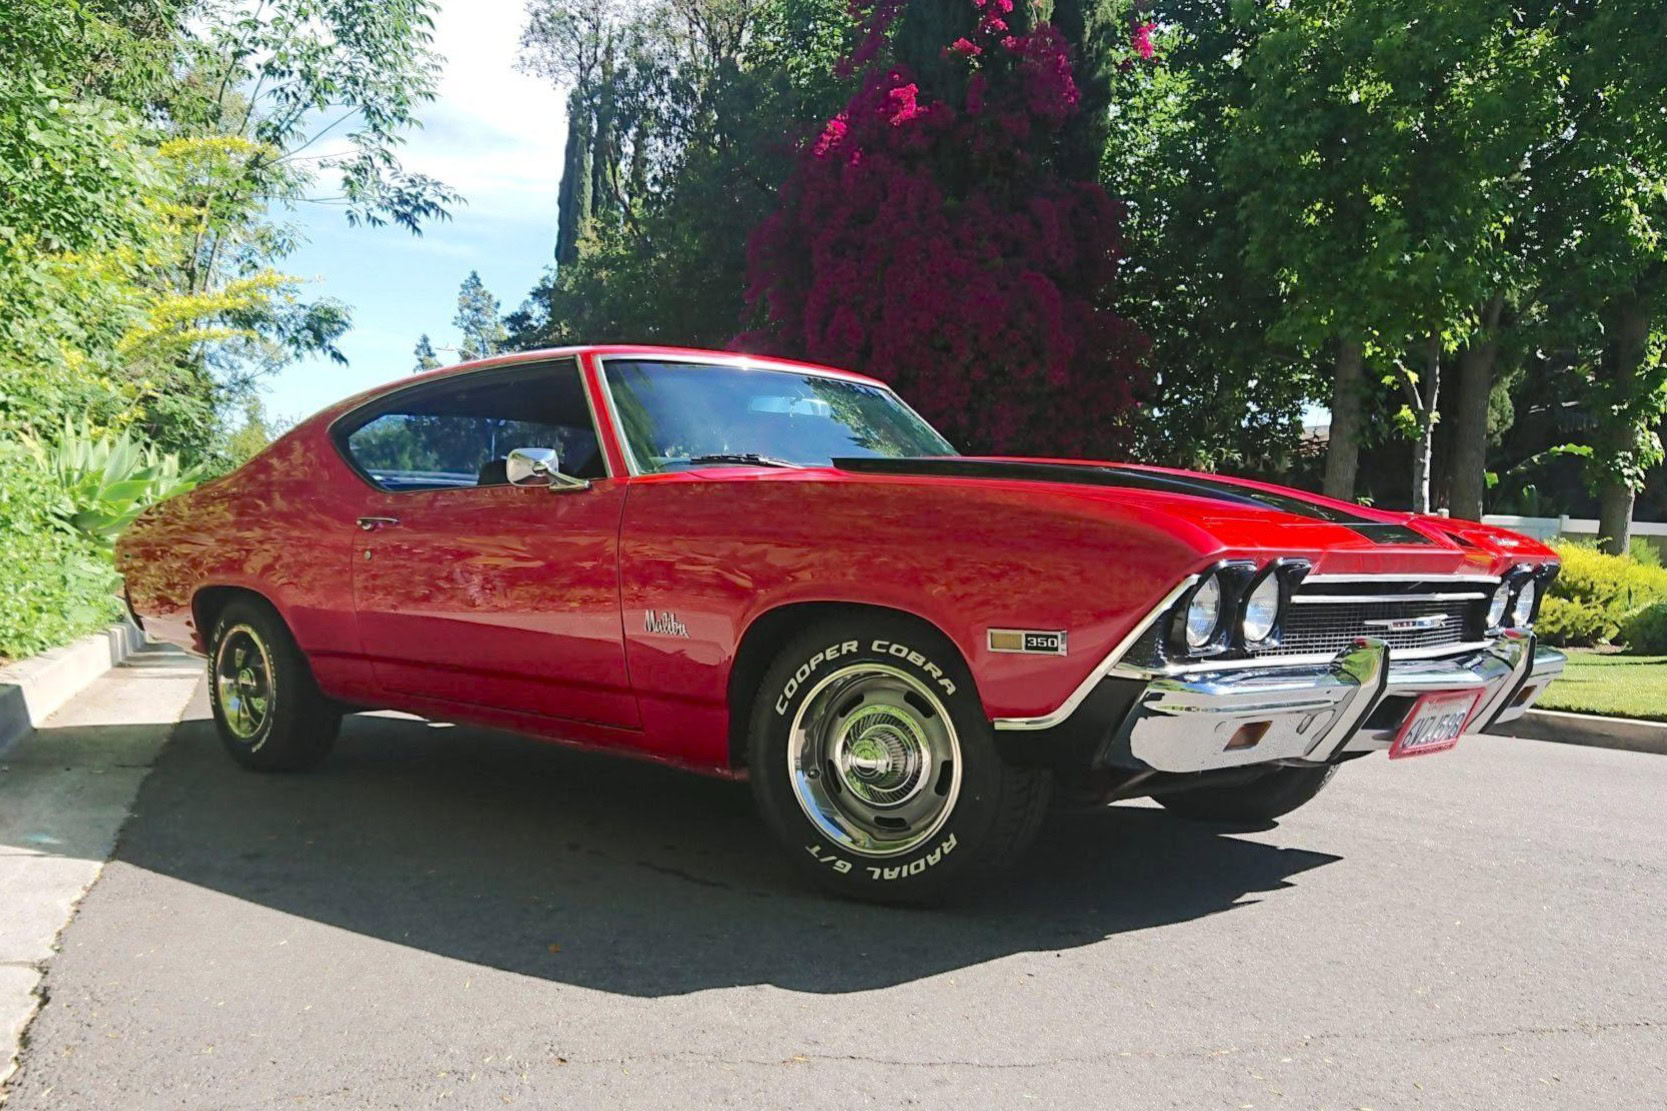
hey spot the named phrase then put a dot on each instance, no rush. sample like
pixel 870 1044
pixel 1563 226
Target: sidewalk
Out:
pixel 65 791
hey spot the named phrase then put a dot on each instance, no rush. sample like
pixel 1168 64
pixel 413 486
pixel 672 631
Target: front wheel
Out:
pixel 874 765
pixel 267 709
pixel 1273 794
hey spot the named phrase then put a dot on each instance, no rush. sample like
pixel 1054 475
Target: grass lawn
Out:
pixel 1607 683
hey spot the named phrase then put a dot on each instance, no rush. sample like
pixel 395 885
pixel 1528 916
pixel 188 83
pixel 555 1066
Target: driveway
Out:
pixel 448 917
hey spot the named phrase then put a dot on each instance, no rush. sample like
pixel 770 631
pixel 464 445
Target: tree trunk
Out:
pixel 1615 517
pixel 1616 435
pixel 1342 456
pixel 1470 420
pixel 1429 394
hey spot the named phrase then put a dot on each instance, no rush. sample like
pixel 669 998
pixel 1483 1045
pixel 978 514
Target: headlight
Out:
pixel 1204 612
pixel 1261 610
pixel 1496 607
pixel 1523 612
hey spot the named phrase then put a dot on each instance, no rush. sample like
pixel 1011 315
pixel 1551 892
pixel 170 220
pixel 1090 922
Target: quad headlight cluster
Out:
pixel 1236 604
pixel 1516 601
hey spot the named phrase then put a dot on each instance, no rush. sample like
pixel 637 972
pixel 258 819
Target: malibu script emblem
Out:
pixel 664 623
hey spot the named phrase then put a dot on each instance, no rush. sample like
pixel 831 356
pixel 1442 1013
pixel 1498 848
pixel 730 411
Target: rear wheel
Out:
pixel 873 763
pixel 1273 794
pixel 267 709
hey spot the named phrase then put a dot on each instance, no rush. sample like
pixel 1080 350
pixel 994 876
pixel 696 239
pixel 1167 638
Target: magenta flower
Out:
pixel 1142 39
pixel 831 135
pixel 901 101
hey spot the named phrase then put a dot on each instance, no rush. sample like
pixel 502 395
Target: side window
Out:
pixel 460 431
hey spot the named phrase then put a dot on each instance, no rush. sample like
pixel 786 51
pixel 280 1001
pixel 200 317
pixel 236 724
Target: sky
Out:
pixel 496 136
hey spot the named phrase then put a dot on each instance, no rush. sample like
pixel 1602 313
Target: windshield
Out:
pixel 677 415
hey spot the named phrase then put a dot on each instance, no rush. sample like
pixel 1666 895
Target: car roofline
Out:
pixel 599 352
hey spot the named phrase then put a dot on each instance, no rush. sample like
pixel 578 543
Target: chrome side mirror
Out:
pixel 540 466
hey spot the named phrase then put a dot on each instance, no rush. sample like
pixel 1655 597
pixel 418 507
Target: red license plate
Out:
pixel 1435 723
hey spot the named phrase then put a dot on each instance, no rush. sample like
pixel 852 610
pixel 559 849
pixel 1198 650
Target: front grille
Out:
pixel 1329 613
pixel 1328 619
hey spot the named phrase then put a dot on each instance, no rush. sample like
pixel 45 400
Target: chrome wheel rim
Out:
pixel 243 680
pixel 874 760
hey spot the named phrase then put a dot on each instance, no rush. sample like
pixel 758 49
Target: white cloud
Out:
pixel 495 134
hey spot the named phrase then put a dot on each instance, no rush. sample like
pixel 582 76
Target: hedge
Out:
pixel 1594 595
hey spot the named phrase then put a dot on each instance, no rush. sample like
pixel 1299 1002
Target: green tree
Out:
pixel 1377 152
pixel 144 148
pixel 1225 394
pixel 477 318
pixel 145 153
pixel 1602 196
pixel 425 356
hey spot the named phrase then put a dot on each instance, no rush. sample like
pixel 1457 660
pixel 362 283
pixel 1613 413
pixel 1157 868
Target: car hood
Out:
pixel 1234 509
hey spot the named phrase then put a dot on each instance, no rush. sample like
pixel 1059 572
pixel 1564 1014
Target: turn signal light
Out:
pixel 1248 735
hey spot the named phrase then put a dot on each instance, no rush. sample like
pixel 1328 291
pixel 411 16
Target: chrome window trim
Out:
pixel 740 362
pixel 1102 669
pixel 743 362
pixel 436 379
pixel 614 422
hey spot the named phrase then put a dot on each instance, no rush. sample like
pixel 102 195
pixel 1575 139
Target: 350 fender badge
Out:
pixel 1034 642
pixel 664 623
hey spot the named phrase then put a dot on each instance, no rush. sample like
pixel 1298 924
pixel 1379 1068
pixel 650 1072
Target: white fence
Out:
pixel 1549 528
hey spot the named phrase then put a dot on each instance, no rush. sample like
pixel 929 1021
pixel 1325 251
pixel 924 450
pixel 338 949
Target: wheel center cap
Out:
pixel 868 758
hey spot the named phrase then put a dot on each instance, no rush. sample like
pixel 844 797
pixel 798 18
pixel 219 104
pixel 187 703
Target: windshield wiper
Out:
pixel 744 458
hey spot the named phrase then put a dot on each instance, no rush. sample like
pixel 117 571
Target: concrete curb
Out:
pixel 1628 734
pixel 31 689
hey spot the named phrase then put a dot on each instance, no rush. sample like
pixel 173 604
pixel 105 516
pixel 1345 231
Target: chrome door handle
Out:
pixel 371 524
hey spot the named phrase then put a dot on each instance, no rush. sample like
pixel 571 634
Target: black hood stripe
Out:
pixel 957 466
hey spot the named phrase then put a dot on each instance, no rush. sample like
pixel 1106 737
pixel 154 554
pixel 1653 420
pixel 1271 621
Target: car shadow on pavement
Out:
pixel 627 877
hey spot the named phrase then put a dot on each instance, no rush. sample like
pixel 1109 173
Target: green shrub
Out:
pixel 1595 593
pixel 1645 632
pixel 54 585
pixel 1573 623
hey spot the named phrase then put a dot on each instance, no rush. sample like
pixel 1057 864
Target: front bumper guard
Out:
pixel 1210 720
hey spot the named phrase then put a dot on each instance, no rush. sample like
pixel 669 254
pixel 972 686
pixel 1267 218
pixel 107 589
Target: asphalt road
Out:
pixel 449 918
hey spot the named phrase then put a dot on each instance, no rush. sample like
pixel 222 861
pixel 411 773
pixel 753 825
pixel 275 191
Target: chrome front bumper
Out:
pixel 1212 719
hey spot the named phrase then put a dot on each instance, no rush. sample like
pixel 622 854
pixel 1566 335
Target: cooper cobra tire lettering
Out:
pixel 904 652
pixel 808 668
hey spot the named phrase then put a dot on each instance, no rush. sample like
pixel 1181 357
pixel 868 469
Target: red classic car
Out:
pixel 759 568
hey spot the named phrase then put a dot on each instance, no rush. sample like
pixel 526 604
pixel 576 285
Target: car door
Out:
pixel 471 590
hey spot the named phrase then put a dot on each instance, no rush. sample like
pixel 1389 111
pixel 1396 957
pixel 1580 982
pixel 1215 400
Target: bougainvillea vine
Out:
pixel 930 242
